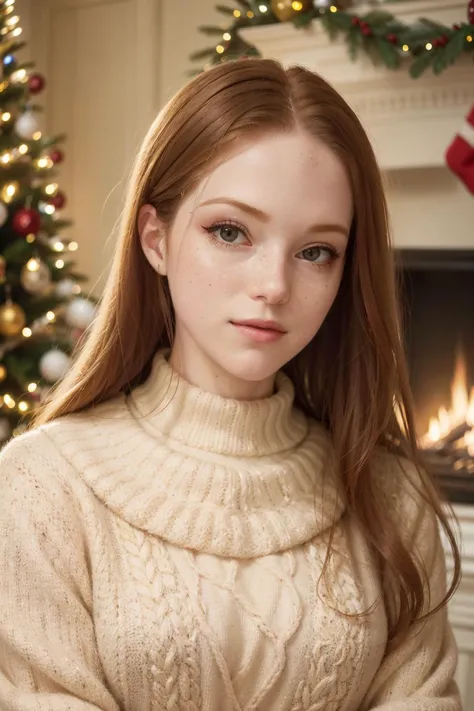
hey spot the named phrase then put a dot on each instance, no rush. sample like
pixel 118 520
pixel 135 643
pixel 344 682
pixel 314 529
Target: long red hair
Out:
pixel 359 347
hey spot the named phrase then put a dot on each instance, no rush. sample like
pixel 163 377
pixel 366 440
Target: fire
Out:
pixel 461 411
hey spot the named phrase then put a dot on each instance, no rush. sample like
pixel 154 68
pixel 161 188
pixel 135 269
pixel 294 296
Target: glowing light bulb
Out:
pixel 33 265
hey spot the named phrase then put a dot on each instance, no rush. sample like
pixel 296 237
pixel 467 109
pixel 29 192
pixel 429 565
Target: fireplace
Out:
pixel 438 308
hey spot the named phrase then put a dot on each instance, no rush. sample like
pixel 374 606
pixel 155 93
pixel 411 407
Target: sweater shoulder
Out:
pixel 37 461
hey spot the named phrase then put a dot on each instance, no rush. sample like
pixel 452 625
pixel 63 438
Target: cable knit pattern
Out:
pixel 163 552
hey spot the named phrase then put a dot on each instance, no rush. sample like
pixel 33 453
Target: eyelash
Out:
pixel 334 253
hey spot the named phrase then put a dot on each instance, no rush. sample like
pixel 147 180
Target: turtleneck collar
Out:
pixel 218 476
pixel 169 405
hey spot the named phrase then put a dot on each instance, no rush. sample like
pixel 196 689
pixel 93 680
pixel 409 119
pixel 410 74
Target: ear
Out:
pixel 152 238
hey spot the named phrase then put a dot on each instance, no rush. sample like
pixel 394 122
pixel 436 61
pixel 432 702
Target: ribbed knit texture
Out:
pixel 164 551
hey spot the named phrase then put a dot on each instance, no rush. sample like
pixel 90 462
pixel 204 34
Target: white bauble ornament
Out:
pixel 3 213
pixel 65 288
pixel 27 125
pixel 80 313
pixel 35 276
pixel 54 365
pixel 5 429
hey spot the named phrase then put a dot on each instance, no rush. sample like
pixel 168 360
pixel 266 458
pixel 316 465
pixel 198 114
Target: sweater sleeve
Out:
pixel 48 655
pixel 418 675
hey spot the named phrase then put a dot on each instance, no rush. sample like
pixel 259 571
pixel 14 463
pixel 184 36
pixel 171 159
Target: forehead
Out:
pixel 281 173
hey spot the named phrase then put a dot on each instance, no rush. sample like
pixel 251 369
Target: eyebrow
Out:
pixel 265 217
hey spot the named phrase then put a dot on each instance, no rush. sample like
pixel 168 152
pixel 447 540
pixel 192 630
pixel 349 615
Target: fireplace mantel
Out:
pixel 410 121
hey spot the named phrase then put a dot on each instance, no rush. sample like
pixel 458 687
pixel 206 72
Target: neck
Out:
pixel 207 375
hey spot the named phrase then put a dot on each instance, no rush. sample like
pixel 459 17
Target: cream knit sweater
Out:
pixel 160 557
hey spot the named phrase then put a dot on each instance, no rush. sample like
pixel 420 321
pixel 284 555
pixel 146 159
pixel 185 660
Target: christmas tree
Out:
pixel 41 315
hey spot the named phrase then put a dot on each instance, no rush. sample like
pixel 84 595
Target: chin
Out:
pixel 253 366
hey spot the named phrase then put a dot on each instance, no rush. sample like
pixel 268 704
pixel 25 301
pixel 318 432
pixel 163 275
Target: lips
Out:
pixel 261 324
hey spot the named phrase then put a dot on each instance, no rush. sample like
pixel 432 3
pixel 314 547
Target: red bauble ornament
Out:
pixel 365 29
pixel 26 221
pixel 36 83
pixel 56 156
pixel 393 39
pixel 355 21
pixel 470 12
pixel 58 200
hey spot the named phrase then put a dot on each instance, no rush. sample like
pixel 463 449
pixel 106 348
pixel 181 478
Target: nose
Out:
pixel 270 281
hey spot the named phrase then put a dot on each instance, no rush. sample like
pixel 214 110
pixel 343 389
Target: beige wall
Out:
pixel 109 65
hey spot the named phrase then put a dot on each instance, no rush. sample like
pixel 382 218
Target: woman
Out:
pixel 218 508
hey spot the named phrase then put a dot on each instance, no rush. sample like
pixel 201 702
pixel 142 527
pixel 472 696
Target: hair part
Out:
pixel 359 346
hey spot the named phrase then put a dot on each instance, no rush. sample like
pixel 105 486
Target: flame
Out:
pixel 460 412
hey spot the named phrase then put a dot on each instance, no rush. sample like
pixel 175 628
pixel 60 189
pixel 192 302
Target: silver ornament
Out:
pixel 54 365
pixel 65 288
pixel 35 277
pixel 80 313
pixel 26 125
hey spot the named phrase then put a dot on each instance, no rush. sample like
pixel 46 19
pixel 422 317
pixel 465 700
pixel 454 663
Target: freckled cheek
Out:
pixel 316 296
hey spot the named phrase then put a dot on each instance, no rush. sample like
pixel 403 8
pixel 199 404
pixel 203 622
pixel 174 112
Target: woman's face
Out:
pixel 262 238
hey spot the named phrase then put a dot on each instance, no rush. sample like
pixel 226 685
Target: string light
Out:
pixel 6 116
pixel 32 387
pixel 18 76
pixel 51 188
pixel 469 38
pixel 333 8
pixel 219 49
pixel 59 263
pixel 58 246
pixel 9 401
pixel 237 13
pixel 297 5
pixel 405 48
pixel 49 209
pixel 9 191
pixel 37 135
pixel 262 8
pixel 73 246
pixel 76 289
pixel 51 316
pixel 27 332
pixel 23 149
pixel 428 46
pixel 31 238
pixel 250 14
pixel 23 406
pixel 227 36
pixel 11 21
pixel 44 163
pixel 17 32
pixel 33 265
pixel 9 3
pixel 6 158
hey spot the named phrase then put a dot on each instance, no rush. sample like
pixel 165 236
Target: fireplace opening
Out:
pixel 438 309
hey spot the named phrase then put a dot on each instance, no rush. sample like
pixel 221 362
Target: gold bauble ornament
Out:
pixel 286 10
pixel 12 319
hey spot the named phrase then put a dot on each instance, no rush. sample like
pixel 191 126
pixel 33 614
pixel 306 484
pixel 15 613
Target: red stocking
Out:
pixel 460 154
